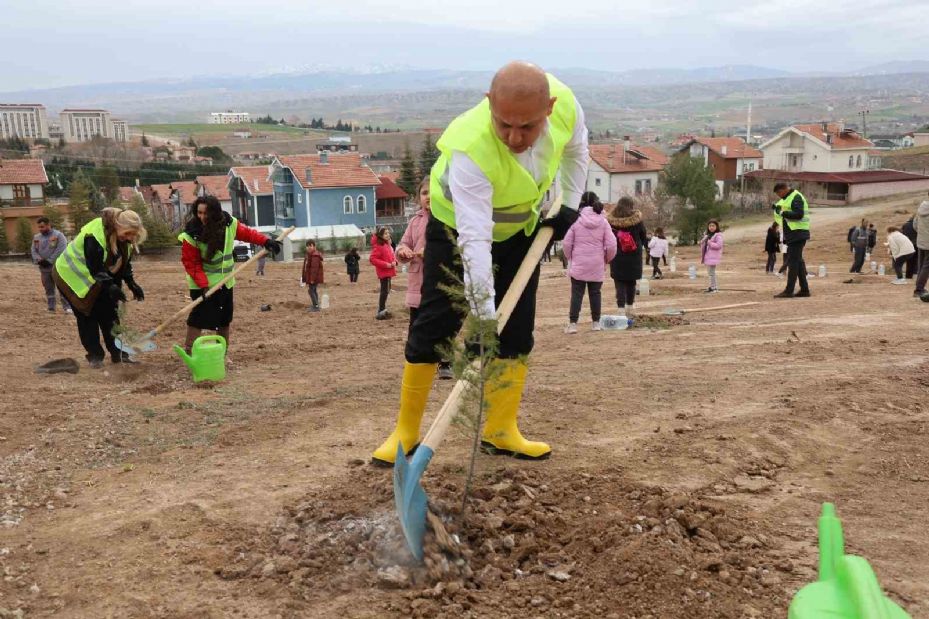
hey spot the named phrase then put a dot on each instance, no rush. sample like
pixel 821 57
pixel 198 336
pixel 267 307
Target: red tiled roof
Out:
pixel 126 193
pixel 852 178
pixel 394 176
pixel 187 190
pixel 389 190
pixel 216 186
pixel 614 160
pixel 653 153
pixel 162 191
pixel 343 170
pixel 735 148
pixel 840 139
pixel 254 174
pixel 22 172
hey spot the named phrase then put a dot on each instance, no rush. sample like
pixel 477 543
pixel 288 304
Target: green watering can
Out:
pixel 207 360
pixel 847 587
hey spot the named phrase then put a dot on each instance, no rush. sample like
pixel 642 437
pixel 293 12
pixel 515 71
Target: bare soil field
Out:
pixel 691 456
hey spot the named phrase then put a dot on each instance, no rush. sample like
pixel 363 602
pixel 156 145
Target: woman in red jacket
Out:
pixel 385 264
pixel 206 253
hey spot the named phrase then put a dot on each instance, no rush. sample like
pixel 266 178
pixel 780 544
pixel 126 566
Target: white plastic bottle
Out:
pixel 324 302
pixel 615 323
pixel 643 287
pixel 880 270
pixel 822 270
pixel 672 264
pixel 692 271
pixel 873 266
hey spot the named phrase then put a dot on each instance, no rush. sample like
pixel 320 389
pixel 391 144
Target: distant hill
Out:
pixel 890 68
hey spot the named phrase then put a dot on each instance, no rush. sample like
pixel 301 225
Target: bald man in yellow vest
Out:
pixel 497 162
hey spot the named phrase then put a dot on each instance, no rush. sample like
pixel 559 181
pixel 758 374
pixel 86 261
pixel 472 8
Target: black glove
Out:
pixel 116 293
pixel 777 209
pixel 44 263
pixel 137 293
pixel 561 222
pixel 274 247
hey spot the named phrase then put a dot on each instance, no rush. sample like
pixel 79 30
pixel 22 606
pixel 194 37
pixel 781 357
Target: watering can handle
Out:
pixel 190 306
pixel 213 338
pixel 528 266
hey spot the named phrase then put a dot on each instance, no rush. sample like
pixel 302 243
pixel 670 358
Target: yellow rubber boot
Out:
pixel 414 391
pixel 501 435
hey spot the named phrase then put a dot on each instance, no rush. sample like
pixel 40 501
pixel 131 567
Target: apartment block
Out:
pixel 28 121
pixel 229 118
pixel 120 130
pixel 82 125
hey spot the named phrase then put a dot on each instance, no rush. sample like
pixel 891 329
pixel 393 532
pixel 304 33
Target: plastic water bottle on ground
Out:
pixel 324 302
pixel 672 264
pixel 873 266
pixel 643 287
pixel 692 272
pixel 880 270
pixel 615 323
pixel 822 270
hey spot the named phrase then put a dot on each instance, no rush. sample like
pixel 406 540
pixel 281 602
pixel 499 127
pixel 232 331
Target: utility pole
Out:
pixel 864 122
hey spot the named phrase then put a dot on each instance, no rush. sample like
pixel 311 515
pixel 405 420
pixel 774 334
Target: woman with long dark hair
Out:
pixel 206 251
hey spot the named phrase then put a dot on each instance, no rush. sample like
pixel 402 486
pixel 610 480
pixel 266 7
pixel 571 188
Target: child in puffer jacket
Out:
pixel 589 246
pixel 385 265
pixel 711 252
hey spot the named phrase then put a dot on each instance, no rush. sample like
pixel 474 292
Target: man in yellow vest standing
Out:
pixel 794 210
pixel 497 161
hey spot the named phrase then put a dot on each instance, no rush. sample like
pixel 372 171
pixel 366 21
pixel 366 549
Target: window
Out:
pixel 643 186
pixel 284 204
pixel 362 205
pixel 851 161
pixel 858 162
pixel 347 207
pixel 597 182
pixel 21 194
pixel 299 198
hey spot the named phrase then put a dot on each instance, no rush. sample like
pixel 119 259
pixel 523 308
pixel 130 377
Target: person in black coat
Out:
pixel 626 267
pixel 772 245
pixel 351 264
pixel 912 263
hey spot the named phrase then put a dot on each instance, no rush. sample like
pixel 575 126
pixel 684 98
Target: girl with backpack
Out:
pixel 589 246
pixel 626 266
pixel 385 265
pixel 711 252
pixel 658 250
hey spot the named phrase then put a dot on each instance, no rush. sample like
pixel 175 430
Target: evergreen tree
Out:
pixel 23 242
pixel 4 241
pixel 145 140
pixel 427 156
pixel 79 200
pixel 691 184
pixel 55 218
pixel 408 180
pixel 108 183
pixel 159 235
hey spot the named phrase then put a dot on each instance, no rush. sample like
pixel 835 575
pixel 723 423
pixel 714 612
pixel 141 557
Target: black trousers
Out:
pixel 314 294
pixel 101 321
pixel 923 275
pixel 382 298
pixel 898 265
pixel 656 260
pixel 577 297
pixel 912 265
pixel 438 320
pixel 352 277
pixel 796 267
pixel 625 293
pixel 859 259
pixel 772 260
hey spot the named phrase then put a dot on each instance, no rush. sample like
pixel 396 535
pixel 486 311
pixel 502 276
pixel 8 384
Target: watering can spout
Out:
pixel 184 356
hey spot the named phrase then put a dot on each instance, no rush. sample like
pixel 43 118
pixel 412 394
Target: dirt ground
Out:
pixel 691 456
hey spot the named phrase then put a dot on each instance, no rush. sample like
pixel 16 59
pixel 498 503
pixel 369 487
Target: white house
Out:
pixel 921 139
pixel 822 147
pixel 22 182
pixel 623 169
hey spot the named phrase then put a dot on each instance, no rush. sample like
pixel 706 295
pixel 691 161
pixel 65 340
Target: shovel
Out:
pixel 146 342
pixel 680 312
pixel 409 496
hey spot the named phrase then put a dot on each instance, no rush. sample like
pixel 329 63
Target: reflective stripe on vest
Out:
pixel 786 205
pixel 221 263
pixel 72 265
pixel 517 196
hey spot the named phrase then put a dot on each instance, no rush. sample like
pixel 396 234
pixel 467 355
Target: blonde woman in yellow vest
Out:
pixel 206 252
pixel 90 273
pixel 497 162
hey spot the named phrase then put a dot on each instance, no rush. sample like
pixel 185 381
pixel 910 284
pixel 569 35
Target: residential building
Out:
pixel 22 182
pixel 120 130
pixel 624 169
pixel 921 139
pixel 218 187
pixel 83 125
pixel 229 118
pixel 841 188
pixel 183 153
pixel 337 143
pixel 729 158
pixel 820 147
pixel 167 204
pixel 252 195
pixel 391 201
pixel 324 190
pixel 26 120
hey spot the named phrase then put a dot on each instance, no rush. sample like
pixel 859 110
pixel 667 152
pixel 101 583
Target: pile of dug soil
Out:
pixel 587 544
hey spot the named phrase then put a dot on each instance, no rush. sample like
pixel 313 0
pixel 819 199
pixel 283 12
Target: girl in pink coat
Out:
pixel 711 252
pixel 589 246
pixel 410 251
pixel 385 265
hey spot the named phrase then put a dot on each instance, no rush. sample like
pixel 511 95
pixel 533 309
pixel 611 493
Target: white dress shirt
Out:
pixel 472 194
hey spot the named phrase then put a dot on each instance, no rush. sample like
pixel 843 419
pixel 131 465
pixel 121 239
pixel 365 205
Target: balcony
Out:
pixel 22 202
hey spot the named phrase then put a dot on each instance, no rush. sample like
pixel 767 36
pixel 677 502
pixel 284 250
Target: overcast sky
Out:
pixel 47 43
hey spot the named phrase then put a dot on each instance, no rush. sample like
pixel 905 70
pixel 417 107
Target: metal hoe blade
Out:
pixel 673 312
pixel 410 498
pixel 144 344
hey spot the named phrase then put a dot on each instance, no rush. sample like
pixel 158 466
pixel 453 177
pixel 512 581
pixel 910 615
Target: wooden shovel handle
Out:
pixel 528 266
pixel 718 307
pixel 190 306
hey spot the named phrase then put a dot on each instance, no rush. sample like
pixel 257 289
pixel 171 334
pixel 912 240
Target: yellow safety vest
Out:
pixel 517 196
pixel 71 265
pixel 786 205
pixel 221 263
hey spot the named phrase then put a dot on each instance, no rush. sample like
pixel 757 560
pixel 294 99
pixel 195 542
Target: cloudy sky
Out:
pixel 49 43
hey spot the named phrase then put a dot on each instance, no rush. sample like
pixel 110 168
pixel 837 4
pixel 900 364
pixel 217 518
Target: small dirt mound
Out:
pixel 654 321
pixel 577 545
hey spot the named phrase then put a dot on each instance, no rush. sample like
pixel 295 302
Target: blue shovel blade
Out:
pixel 410 498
